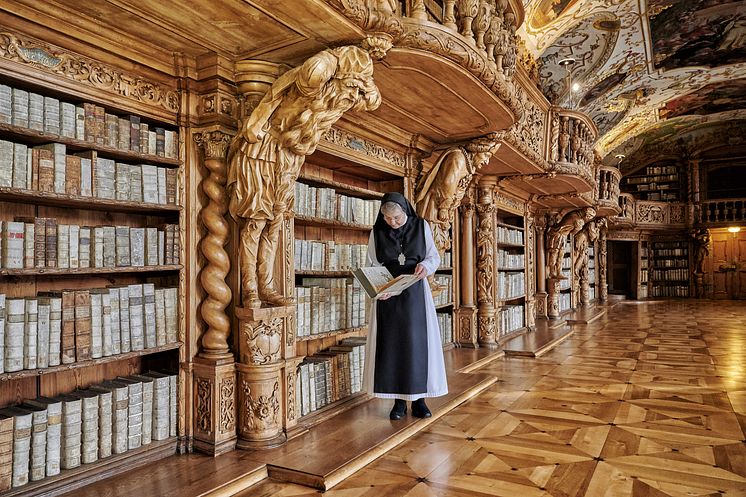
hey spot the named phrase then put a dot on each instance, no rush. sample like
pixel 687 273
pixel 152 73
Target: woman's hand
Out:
pixel 384 296
pixel 420 271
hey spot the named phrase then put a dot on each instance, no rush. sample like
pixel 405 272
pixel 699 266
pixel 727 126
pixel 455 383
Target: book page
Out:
pixel 377 276
pixel 399 284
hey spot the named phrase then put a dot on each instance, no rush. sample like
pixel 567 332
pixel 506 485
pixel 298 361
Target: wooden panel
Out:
pixel 719 256
pixel 739 256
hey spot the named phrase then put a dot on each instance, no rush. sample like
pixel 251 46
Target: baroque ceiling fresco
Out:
pixel 648 72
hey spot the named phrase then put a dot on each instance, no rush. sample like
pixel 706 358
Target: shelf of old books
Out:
pixel 90 258
pixel 511 274
pixel 669 269
pixel 335 208
pixel 642 287
pixel 565 297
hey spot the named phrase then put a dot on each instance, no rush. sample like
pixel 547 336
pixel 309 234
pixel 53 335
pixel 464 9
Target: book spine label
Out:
pixel 55 330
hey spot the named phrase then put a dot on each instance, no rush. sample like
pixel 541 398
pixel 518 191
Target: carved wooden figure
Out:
pixel 443 188
pixel 266 156
pixel 570 224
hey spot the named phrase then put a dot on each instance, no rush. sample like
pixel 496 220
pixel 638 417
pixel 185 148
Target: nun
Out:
pixel 404 355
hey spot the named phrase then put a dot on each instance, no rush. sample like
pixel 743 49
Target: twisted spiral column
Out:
pixel 212 277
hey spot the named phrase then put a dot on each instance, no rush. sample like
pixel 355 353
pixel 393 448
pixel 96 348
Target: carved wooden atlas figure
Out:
pixel 583 239
pixel 266 156
pixel 570 224
pixel 443 188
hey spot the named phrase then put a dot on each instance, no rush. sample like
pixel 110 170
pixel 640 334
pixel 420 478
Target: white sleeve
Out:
pixel 371 258
pixel 432 258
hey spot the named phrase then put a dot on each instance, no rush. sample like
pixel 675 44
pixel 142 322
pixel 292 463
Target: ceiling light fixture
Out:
pixel 619 158
pixel 566 63
pixel 734 229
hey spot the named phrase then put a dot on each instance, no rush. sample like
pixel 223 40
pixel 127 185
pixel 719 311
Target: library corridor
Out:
pixel 650 400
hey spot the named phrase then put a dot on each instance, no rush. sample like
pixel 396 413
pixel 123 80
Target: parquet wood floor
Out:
pixel 648 401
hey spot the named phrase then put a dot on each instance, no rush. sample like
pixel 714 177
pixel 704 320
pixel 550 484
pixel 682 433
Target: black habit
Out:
pixel 401 365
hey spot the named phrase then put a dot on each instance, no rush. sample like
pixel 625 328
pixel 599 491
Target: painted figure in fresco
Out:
pixel 266 156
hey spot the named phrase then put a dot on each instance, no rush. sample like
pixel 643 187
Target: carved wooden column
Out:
pixel 603 287
pixel 214 367
pixel 261 383
pixel 266 336
pixel 449 18
pixel 418 10
pixel 530 263
pixel 541 269
pixel 487 321
pixel 467 12
pixel 467 311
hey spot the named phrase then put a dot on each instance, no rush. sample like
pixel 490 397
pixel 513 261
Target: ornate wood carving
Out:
pixel 261 341
pixel 263 411
pixel 487 325
pixel 290 389
pixel 361 145
pixel 441 40
pixel 266 156
pixel 203 411
pixel 227 405
pixel 603 287
pixel 212 277
pixel 261 345
pixel 214 404
pixel 440 192
pixel 87 71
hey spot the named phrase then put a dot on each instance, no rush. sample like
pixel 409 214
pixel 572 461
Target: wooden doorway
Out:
pixel 621 255
pixel 728 264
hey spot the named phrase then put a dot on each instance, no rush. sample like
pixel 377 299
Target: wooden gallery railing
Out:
pixel 711 212
pixel 571 144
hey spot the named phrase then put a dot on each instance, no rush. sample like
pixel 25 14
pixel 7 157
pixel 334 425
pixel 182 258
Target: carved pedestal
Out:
pixel 553 297
pixel 541 305
pixel 261 383
pixel 467 326
pixel 214 404
pixel 585 292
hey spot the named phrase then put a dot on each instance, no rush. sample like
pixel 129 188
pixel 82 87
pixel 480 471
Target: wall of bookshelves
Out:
pixel 511 274
pixel 644 259
pixel 663 181
pixel 565 297
pixel 335 211
pixel 669 269
pixel 90 266
pixel 444 301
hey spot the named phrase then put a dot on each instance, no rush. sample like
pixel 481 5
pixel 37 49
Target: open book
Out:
pixel 378 280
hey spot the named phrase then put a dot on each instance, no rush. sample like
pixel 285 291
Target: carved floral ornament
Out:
pixel 87 71
pixel 263 341
pixel 262 411
pixel 227 407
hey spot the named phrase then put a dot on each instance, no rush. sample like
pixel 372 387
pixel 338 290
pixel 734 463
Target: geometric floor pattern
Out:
pixel 649 401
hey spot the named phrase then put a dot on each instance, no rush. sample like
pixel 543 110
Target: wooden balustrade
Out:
pixel 720 211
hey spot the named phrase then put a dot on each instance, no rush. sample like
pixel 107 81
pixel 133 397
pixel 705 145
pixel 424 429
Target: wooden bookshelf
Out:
pixel 88 270
pixel 34 137
pixel 70 479
pixel 87 203
pixel 86 319
pixel 330 223
pixel 663 181
pixel 511 273
pixel 326 201
pixel 669 268
pixel 87 364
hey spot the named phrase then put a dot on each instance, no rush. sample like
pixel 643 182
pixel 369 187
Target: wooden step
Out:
pixel 585 315
pixel 538 342
pixel 347 442
pixel 195 475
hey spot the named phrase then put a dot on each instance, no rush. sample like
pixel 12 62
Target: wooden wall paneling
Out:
pixel 14 392
pixel 719 256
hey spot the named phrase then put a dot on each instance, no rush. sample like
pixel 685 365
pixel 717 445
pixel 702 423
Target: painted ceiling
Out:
pixel 647 71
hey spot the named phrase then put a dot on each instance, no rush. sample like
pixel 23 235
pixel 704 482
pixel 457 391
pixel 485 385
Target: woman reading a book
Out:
pixel 404 356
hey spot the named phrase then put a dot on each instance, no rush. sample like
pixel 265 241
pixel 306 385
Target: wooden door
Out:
pixel 728 265
pixel 620 268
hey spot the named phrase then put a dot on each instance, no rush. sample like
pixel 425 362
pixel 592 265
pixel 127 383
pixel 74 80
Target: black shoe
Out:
pixel 420 410
pixel 399 409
